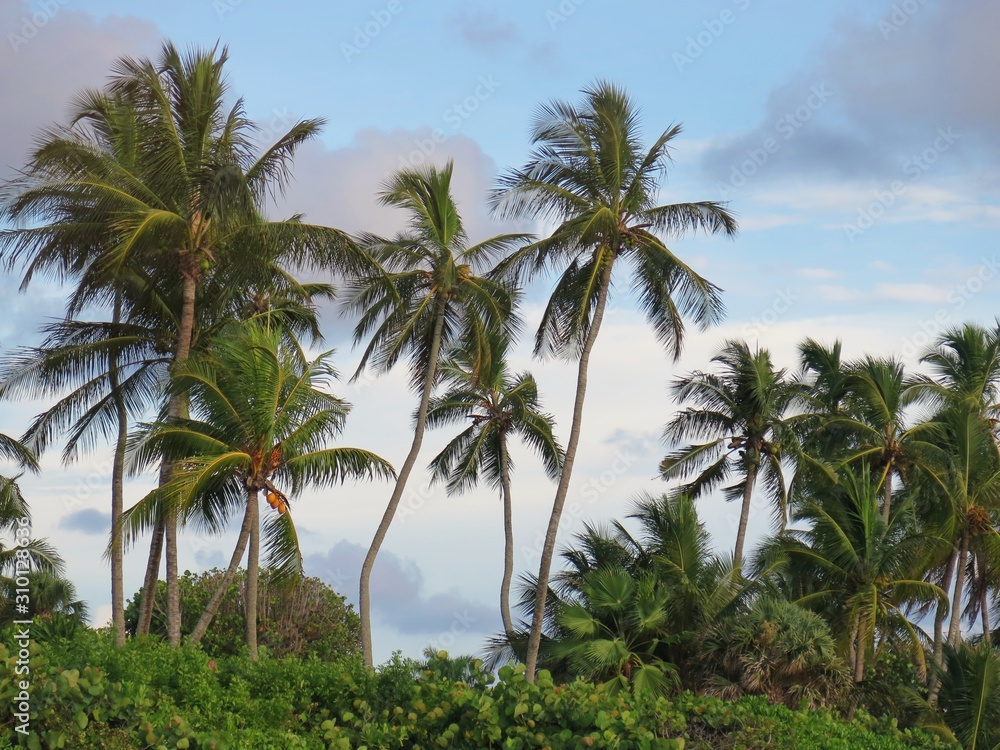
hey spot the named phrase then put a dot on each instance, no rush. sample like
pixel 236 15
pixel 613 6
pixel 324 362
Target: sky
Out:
pixel 856 142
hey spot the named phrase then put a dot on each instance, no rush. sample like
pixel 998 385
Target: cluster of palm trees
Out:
pixel 884 487
pixel 152 204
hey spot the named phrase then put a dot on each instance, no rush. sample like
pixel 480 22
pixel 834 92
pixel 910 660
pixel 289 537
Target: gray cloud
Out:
pixel 485 31
pixel 49 55
pixel 398 596
pixel 86 521
pixel 892 85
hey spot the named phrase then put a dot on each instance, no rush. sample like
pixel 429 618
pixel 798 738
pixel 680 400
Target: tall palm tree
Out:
pixel 261 422
pixel 964 387
pixel 181 193
pixel 429 291
pixel 499 406
pixel 591 174
pixel 740 413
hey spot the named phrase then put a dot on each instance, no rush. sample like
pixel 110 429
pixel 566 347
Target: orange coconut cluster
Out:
pixel 277 502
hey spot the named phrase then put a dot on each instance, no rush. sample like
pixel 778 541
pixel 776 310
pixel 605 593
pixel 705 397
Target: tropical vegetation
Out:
pixel 191 350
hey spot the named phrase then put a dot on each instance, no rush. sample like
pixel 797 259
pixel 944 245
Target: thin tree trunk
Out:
pixel 984 604
pixel 955 630
pixel 741 534
pixel 118 498
pixel 227 579
pixel 364 594
pixel 508 539
pixel 148 601
pixel 887 496
pixel 939 617
pixel 253 572
pixel 548 547
pixel 859 655
pixel 176 409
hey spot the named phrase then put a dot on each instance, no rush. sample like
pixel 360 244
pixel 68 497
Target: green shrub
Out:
pixel 86 694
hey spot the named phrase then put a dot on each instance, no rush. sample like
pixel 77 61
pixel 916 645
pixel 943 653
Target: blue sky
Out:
pixel 856 142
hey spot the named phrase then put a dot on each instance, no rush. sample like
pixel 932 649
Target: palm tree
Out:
pixel 181 192
pixel 740 413
pixel 850 565
pixel 614 630
pixel 695 588
pixel 878 394
pixel 965 387
pixel 591 174
pixel 261 422
pixel 499 406
pixel 429 292
pixel 969 701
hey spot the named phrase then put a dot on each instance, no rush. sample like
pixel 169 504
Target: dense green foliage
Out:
pixel 304 617
pixel 89 695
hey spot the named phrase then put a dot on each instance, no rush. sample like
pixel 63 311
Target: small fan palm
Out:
pixel 615 629
pixel 740 412
pixel 499 406
pixel 261 422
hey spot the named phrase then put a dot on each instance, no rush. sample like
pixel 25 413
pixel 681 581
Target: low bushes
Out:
pixel 86 694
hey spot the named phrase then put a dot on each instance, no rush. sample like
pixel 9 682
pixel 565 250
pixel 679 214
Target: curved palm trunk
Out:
pixel 984 602
pixel 741 534
pixel 118 499
pixel 253 573
pixel 201 627
pixel 176 409
pixel 152 576
pixel 548 547
pixel 508 539
pixel 364 593
pixel 955 630
pixel 942 613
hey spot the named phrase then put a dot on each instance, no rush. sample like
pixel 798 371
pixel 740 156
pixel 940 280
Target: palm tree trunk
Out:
pixel 176 409
pixel 548 547
pixel 741 534
pixel 253 572
pixel 201 627
pixel 117 498
pixel 942 613
pixel 984 603
pixel 508 539
pixel 364 593
pixel 887 496
pixel 955 631
pixel 859 655
pixel 149 582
